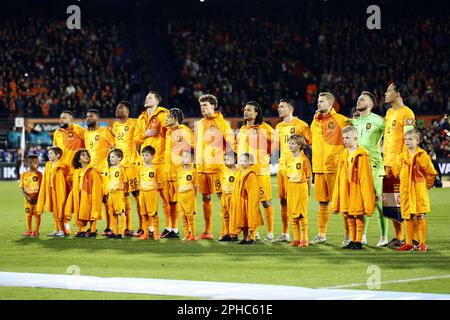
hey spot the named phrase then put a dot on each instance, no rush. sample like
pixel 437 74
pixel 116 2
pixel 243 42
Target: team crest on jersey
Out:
pixel 97 137
pixel 27 210
pixel 127 128
pixel 261 192
pixel 394 123
pixel 116 174
pixel 368 126
pixel 211 127
pixel 151 174
pixel 217 184
pixel 330 125
pixel 189 177
pixel 409 122
pixel 231 179
pixel 292 130
pixel 35 179
pixel 298 166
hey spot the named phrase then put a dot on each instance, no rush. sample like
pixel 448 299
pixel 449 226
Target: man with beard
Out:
pixel 123 130
pixel 98 141
pixel 399 119
pixel 327 144
pixel 151 130
pixel 69 137
pixel 283 131
pixel 370 131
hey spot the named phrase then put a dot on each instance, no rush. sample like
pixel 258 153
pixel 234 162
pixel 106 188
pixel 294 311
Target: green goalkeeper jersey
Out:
pixel 370 131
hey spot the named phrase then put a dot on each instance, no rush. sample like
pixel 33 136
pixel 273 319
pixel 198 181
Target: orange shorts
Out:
pixel 170 191
pixel 148 201
pixel 30 209
pixel 282 183
pixel 116 202
pixel 265 188
pixel 324 185
pixel 210 183
pixel 133 178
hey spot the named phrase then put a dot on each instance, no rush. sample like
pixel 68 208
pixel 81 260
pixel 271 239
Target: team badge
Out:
pixel 97 137
pixel 127 128
pixel 35 179
pixel 217 184
pixel 151 174
pixel 116 174
pixel 231 179
pixel 330 125
pixel 292 130
pixel 261 192
pixel 368 126
pixel 409 122
pixel 394 123
pixel 189 177
pixel 298 166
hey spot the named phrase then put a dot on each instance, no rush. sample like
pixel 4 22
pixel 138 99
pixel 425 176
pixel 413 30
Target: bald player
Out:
pixel 399 119
pixel 370 132
pixel 288 126
pixel 123 131
pixel 255 137
pixel 69 137
pixel 327 144
pixel 98 141
pixel 151 130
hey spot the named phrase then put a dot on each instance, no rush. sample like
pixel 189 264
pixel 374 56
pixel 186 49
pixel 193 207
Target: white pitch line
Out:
pixel 390 281
pixel 201 289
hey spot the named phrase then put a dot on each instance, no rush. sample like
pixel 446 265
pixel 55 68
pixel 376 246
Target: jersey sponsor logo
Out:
pixel 368 126
pixel 394 123
pixel 188 177
pixel 231 179
pixel 35 179
pixel 409 122
pixel 298 166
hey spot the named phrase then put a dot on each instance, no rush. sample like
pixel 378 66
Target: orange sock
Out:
pixel 28 217
pixel 166 214
pixel 83 226
pixel 191 222
pixel 324 216
pixel 284 218
pixel 225 223
pixel 185 225
pixel 115 223
pixel 269 212
pixel 93 226
pixel 345 216
pixel 296 228
pixel 128 220
pixel 123 222
pixel 56 221
pixel 156 224
pixel 253 234
pixel 304 227
pixel 423 224
pixel 207 213
pixel 359 228
pixel 138 209
pixel 37 222
pixel 398 227
pixel 173 216
pixel 145 224
pixel 352 228
pixel 409 230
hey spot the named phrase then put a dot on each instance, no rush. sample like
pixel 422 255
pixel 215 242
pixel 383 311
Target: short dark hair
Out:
pixel 149 149
pixel 371 96
pixel 31 156
pixel 209 98
pixel 157 95
pixel 259 116
pixel 56 150
pixel 70 113
pixel 125 104
pixel 76 158
pixel 177 114
pixel 402 89
pixel 94 111
pixel 117 152
pixel 290 102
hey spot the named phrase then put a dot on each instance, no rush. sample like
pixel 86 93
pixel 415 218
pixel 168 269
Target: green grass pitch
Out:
pixel 314 267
